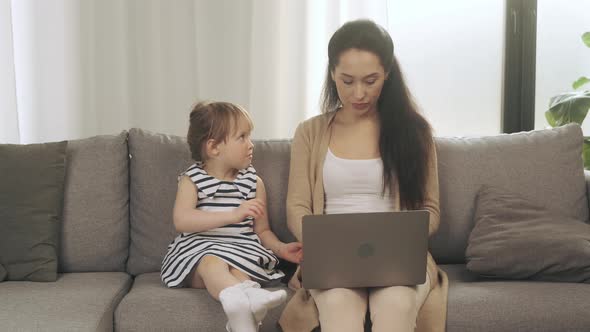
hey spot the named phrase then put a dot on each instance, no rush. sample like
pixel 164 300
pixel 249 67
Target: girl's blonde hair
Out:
pixel 213 120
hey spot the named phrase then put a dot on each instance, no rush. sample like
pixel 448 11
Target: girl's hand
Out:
pixel 292 252
pixel 251 208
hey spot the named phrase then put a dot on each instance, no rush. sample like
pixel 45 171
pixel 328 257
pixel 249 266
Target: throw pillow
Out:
pixel 31 202
pixel 2 273
pixel 515 238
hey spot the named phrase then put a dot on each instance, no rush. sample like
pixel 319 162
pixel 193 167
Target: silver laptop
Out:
pixel 365 249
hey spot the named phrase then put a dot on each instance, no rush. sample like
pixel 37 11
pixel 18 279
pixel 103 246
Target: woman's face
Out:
pixel 359 78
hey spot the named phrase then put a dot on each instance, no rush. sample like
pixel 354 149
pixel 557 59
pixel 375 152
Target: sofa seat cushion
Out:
pixel 150 306
pixel 75 302
pixel 477 304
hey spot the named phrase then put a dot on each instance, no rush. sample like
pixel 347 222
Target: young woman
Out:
pixel 370 150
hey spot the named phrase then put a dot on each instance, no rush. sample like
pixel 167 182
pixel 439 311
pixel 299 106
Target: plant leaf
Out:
pixel 580 81
pixel 568 107
pixel 586 38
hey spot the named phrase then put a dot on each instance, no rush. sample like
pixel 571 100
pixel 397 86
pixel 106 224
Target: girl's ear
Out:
pixel 211 148
pixel 332 75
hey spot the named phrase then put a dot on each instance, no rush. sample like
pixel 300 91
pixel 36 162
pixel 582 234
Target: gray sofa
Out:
pixel 117 223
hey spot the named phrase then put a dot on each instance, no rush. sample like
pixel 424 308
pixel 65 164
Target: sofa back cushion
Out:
pixel 156 161
pixel 544 165
pixel 271 160
pixel 95 232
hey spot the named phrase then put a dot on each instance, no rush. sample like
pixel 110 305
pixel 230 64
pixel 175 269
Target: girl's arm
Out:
pixel 186 217
pixel 288 251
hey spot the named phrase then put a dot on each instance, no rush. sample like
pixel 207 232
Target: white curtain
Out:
pixel 8 116
pixel 78 68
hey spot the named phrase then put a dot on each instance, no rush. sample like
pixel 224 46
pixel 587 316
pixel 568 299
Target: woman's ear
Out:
pixel 332 75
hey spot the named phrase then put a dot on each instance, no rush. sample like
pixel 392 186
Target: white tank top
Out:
pixel 354 185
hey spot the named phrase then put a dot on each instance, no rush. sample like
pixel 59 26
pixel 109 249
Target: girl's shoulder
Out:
pixel 209 186
pixel 250 170
pixel 247 177
pixel 195 172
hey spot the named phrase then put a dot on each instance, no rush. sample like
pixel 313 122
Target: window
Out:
pixel 451 53
pixel 562 57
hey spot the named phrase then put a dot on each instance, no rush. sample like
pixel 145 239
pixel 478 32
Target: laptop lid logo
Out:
pixel 365 250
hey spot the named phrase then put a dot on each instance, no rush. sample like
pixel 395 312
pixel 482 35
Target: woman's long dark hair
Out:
pixel 406 137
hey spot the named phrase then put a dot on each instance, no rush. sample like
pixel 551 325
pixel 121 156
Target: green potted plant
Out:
pixel 572 106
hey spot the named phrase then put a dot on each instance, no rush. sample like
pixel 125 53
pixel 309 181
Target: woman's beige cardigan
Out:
pixel 306 196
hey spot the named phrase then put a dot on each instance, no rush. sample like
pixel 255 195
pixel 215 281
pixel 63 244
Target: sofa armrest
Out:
pixel 587 176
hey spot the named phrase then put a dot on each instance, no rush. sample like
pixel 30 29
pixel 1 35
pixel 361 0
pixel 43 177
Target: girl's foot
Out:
pixel 236 305
pixel 262 300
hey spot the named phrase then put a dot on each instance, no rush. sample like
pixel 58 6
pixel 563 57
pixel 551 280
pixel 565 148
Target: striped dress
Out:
pixel 237 244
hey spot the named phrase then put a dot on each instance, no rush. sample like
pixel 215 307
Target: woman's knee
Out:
pixel 341 301
pixel 395 300
pixel 341 309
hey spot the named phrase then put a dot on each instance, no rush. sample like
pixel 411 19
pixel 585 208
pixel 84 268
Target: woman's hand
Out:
pixel 292 252
pixel 251 208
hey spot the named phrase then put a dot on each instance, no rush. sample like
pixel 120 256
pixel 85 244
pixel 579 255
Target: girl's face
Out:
pixel 359 78
pixel 236 151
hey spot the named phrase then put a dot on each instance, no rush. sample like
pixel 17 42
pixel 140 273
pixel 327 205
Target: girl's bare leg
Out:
pixel 215 274
pixel 241 276
pixel 195 280
pixel 227 289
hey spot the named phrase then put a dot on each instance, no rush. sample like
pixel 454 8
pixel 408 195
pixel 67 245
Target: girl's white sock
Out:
pixel 236 305
pixel 262 300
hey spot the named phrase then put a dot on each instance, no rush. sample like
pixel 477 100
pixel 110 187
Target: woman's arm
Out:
pixel 188 219
pixel 289 251
pixel 431 199
pixel 299 200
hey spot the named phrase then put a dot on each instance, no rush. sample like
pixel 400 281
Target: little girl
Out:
pixel 225 242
